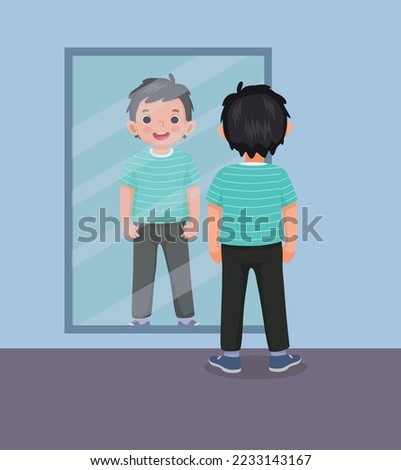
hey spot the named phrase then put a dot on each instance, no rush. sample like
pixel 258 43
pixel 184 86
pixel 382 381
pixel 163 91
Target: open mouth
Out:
pixel 161 135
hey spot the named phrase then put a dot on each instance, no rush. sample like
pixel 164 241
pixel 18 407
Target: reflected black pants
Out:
pixel 267 263
pixel 176 252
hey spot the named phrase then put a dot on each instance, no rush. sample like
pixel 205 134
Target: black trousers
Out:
pixel 267 262
pixel 176 252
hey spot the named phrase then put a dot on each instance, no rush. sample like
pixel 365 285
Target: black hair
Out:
pixel 154 89
pixel 254 120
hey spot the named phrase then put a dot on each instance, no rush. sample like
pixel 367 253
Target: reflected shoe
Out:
pixel 138 324
pixel 283 363
pixel 231 365
pixel 190 323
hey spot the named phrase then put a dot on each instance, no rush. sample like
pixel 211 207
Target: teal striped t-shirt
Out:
pixel 252 196
pixel 160 184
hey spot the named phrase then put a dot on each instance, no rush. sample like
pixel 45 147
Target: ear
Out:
pixel 190 127
pixel 220 130
pixel 132 128
pixel 289 129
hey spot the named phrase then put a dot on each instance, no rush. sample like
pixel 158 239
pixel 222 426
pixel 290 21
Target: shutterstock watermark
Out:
pixel 107 228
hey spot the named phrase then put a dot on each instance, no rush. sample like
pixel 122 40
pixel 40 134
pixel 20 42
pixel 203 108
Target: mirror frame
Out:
pixel 69 54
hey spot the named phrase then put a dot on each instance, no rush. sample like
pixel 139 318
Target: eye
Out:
pixel 146 119
pixel 175 119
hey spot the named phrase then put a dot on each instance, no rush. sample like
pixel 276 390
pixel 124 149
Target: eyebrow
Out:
pixel 145 110
pixel 175 110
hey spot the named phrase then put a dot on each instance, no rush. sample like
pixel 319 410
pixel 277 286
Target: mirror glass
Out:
pixel 99 261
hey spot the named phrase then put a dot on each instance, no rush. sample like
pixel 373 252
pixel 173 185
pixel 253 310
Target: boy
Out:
pixel 248 203
pixel 160 194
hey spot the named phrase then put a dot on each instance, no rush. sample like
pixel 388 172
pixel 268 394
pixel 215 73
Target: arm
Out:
pixel 192 227
pixel 126 198
pixel 290 220
pixel 213 216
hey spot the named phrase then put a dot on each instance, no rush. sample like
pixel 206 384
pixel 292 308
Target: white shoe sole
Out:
pixel 283 369
pixel 228 371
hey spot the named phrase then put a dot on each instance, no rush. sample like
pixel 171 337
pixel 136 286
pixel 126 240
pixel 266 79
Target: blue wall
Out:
pixel 337 64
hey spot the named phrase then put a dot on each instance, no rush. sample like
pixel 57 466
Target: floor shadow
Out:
pixel 255 368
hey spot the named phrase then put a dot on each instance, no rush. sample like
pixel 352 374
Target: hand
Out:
pixel 288 252
pixel 215 254
pixel 133 231
pixel 189 231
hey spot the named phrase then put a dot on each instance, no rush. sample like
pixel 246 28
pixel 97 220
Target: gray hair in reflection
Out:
pixel 155 89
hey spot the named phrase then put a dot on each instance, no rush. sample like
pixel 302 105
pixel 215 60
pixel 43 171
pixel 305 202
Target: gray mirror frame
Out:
pixel 69 54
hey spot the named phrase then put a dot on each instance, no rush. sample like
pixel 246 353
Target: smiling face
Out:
pixel 161 123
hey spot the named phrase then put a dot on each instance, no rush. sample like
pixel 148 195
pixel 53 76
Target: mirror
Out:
pixel 98 260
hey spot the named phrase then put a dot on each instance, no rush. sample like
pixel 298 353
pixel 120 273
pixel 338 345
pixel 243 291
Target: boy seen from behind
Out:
pixel 252 210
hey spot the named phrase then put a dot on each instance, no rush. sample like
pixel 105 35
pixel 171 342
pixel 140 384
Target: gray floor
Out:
pixel 171 399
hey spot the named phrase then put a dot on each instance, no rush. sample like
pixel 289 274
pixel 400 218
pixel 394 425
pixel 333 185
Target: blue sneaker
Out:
pixel 189 324
pixel 283 363
pixel 231 365
pixel 137 324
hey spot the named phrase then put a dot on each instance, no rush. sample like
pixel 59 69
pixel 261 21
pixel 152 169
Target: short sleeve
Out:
pixel 192 176
pixel 127 176
pixel 215 193
pixel 288 195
